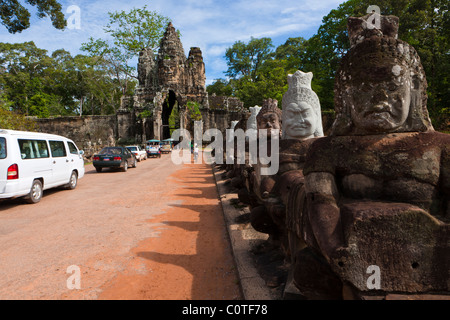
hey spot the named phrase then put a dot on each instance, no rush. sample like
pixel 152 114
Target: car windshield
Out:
pixel 132 148
pixel 111 150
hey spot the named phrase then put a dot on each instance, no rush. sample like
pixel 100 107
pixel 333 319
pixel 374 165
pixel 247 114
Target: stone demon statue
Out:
pixel 377 190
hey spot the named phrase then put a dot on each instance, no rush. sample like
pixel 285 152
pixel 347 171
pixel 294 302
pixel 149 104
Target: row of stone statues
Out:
pixel 374 195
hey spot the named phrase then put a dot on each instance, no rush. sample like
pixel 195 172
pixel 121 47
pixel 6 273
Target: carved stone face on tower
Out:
pixel 301 109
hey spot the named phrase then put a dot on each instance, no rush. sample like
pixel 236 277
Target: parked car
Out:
pixel 114 157
pixel 154 148
pixel 154 151
pixel 138 152
pixel 32 162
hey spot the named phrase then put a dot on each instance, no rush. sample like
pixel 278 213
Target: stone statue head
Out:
pixel 301 116
pixel 381 85
pixel 251 122
pixel 269 117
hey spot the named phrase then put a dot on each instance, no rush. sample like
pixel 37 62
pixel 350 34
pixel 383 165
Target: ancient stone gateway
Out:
pixel 170 80
pixel 166 81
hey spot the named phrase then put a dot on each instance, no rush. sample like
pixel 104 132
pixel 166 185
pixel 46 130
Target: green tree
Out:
pixel 36 84
pixel 136 30
pixel 16 18
pixel 293 51
pixel 22 77
pixel 15 121
pixel 245 59
pixel 131 32
pixel 174 120
pixel 193 111
pixel 423 23
pixel 220 87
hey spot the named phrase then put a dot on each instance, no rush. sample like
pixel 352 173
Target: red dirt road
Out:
pixel 153 232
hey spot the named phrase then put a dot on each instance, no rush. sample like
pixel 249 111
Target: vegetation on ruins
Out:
pixel 15 121
pixel 256 71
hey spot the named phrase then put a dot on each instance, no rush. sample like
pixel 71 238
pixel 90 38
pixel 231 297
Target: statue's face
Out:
pixel 269 121
pixel 382 106
pixel 299 121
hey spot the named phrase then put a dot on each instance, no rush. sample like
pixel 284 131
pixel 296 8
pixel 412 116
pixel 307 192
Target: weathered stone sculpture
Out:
pixel 269 117
pixel 301 109
pixel 252 125
pixel 301 121
pixel 169 80
pixel 378 188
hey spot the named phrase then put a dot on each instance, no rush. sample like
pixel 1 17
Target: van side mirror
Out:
pixel 81 152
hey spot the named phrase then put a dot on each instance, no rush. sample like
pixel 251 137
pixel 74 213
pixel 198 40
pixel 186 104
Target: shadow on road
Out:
pixel 198 237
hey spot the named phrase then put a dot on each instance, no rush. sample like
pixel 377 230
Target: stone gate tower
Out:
pixel 170 80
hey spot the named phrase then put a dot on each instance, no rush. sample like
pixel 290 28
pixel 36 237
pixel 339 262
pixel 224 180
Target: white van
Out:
pixel 31 162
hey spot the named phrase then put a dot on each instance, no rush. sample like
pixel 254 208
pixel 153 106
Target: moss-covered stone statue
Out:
pixel 378 188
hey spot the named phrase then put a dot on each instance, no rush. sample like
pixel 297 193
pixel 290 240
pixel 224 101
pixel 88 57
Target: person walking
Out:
pixel 195 152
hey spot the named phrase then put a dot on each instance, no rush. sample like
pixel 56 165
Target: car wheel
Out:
pixel 35 194
pixel 73 181
pixel 134 164
pixel 125 166
pixel 99 169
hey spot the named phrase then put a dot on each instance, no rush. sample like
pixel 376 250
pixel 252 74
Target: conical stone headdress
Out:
pixel 300 90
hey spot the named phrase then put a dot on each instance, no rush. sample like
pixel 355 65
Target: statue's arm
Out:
pixel 323 211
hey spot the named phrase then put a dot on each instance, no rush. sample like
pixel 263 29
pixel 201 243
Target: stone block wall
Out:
pixel 90 133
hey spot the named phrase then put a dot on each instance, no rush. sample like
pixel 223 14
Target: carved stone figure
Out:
pixel 301 108
pixel 252 125
pixel 269 117
pixel 378 188
pixel 301 123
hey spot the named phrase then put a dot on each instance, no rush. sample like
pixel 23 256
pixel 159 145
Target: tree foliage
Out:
pixel 15 121
pixel 130 32
pixel 37 84
pixel 16 18
pixel 246 59
pixel 425 24
pixel 136 30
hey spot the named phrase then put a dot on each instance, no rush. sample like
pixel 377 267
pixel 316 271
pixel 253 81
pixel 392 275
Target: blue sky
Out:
pixel 211 25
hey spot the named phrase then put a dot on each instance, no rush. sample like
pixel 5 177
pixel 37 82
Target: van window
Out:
pixel 72 148
pixel 58 149
pixel 2 148
pixel 33 149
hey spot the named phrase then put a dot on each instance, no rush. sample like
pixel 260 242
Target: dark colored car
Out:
pixel 114 157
